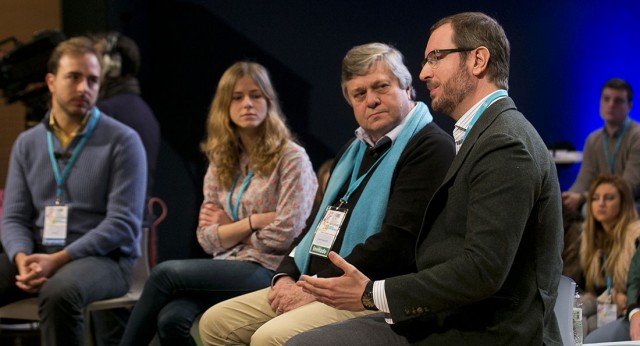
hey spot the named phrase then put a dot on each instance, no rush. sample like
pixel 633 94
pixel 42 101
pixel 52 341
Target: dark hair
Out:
pixel 475 29
pixel 75 45
pixel 130 53
pixel 619 84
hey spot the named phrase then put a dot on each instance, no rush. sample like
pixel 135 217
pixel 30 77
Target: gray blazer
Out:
pixel 489 252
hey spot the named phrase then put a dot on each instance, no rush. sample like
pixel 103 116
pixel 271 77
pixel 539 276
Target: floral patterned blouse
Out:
pixel 289 191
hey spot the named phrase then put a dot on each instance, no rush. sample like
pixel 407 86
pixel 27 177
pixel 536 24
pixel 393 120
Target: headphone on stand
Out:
pixel 111 59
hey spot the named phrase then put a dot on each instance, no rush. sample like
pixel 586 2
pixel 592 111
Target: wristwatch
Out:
pixel 367 297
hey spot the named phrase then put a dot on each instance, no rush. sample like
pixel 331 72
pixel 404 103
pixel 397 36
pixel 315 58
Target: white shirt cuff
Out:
pixel 380 299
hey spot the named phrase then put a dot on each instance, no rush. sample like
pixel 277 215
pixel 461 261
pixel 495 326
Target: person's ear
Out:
pixel 49 78
pixel 481 56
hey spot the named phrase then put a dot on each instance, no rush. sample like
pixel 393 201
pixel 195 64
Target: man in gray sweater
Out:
pixel 73 201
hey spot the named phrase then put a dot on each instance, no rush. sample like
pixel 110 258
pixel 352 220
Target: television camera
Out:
pixel 22 72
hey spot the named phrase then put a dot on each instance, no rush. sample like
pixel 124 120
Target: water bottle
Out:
pixel 577 319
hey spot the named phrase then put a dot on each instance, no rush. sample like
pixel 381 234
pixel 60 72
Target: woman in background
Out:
pixel 258 192
pixel 323 173
pixel 608 244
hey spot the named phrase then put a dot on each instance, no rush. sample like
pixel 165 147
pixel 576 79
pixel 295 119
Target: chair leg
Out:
pixel 87 328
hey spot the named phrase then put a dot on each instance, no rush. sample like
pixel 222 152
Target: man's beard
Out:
pixel 453 92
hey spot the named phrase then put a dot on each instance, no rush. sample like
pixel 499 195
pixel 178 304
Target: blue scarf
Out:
pixel 366 217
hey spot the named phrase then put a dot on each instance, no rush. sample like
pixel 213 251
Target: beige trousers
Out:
pixel 248 319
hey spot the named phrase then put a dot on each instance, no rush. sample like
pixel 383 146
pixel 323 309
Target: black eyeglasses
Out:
pixel 435 55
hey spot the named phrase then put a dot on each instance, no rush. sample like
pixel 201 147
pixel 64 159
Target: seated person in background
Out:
pixel 608 242
pixel 377 191
pixel 120 94
pixel 627 327
pixel 258 192
pixel 323 178
pixel 572 224
pixel 614 148
pixel 120 98
pixel 73 201
pixel 323 175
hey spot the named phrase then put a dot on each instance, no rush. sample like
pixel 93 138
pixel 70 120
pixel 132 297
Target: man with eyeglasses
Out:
pixel 488 254
pixel 614 148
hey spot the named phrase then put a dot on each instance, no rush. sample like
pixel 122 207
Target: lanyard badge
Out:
pixel 56 217
pixel 327 231
pixel 607 311
pixel 55 225
pixel 329 227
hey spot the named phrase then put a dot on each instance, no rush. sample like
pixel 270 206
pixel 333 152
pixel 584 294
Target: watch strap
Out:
pixel 367 297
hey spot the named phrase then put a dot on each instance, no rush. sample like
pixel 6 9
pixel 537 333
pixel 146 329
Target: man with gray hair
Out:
pixel 372 208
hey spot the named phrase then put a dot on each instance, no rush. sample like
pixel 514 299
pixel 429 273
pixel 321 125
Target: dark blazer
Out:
pixel 489 251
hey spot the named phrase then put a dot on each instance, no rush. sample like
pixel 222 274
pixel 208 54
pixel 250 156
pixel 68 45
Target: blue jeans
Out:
pixel 67 292
pixel 617 330
pixel 178 291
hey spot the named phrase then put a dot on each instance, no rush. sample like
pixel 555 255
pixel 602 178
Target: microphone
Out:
pixel 64 155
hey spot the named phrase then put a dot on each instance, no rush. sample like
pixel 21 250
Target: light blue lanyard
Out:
pixel 355 181
pixel 604 260
pixel 60 179
pixel 605 145
pixel 243 188
pixel 494 96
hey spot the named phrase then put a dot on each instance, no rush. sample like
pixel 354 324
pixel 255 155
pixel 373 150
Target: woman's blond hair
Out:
pixel 619 246
pixel 222 145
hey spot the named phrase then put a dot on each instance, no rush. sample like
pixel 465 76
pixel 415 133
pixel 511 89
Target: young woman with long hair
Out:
pixel 608 243
pixel 609 234
pixel 258 192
